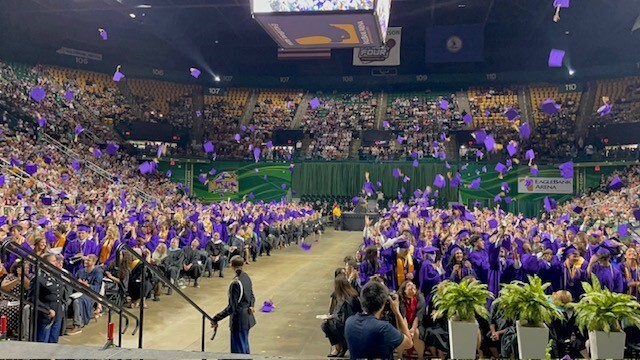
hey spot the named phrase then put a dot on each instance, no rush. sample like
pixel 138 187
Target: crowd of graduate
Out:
pixel 413 248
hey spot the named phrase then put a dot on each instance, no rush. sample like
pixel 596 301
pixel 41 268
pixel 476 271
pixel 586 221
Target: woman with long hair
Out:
pixel 459 267
pixel 370 265
pixel 630 272
pixel 40 246
pixel 347 304
pixel 239 309
pixel 12 284
pixel 412 302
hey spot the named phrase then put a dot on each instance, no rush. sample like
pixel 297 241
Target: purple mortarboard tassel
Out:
pixel 305 246
pixel 42 121
pixel 269 144
pixel 566 170
pixel 168 173
pixel 416 163
pixel 493 223
pixel 97 153
pixel 117 76
pixel 507 199
pixel 283 186
pixel 484 169
pixel 145 168
pixel 528 182
pixel 497 198
pixel 489 143
pixel 202 178
pixel 555 58
pixel 194 72
pixel 534 170
pixel 480 135
pixel 623 230
pixel 237 137
pixel 636 214
pixel 525 130
pixel 385 124
pixel 487 113
pixel 68 95
pixel 406 179
pixel 103 34
pixel 444 104
pixel 604 109
pixel 3 179
pixel 198 113
pixel 616 184
pixel 550 107
pixel 475 184
pixel 208 147
pixel 549 203
pixel 256 154
pixel 530 155
pixel 439 181
pixel 112 149
pixel 500 168
pixel 46 200
pixel 562 4
pixel 78 129
pixel 314 103
pixel 31 168
pixel 400 139
pixel 395 172
pixel 37 94
pixel 511 114
pixel 467 119
pixel 512 148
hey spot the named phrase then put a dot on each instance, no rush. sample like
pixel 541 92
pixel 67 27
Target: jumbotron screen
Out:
pixel 269 6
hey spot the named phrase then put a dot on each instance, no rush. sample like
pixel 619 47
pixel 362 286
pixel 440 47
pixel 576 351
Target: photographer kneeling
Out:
pixel 367 336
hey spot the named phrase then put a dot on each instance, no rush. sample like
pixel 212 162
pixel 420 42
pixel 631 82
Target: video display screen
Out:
pixel 269 6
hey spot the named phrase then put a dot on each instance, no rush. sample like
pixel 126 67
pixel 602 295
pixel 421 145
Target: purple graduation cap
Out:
pixel 479 153
pixel 508 199
pixel 43 222
pixel 480 135
pixel 512 148
pixel 444 104
pixel 577 209
pixel 439 181
pixel 490 143
pixel 385 124
pixel 267 307
pixel 305 246
pixel 103 34
pixel 636 214
pixel 549 204
pixel 208 147
pixel 97 153
pixel 198 113
pixel 269 144
pixel 562 4
pixel 530 155
pixel 566 170
pixel 291 167
pixel 604 109
pixel 616 184
pixel 555 58
pixel 550 107
pixel 256 154
pixel 400 139
pixel 46 200
pixel 487 113
pixel 236 137
pixel 623 230
pixel 493 223
pixel 112 148
pixel 511 114
pixel 484 168
pixel 396 172
pixel 525 130
pixel 504 186
pixel 283 186
pixel 534 170
pixel 475 184
pixel 467 119
pixel 406 179
pixel 42 121
pixel 3 179
pixel 314 103
pixel 455 181
pixel 168 173
pixel 213 171
pixel 145 168
pixel 202 178
pixel 500 168
pixel 194 72
pixel 355 200
pixel 68 95
pixel 243 128
pixel 416 163
pixel 117 76
pixel 31 168
pixel 78 129
pixel 37 93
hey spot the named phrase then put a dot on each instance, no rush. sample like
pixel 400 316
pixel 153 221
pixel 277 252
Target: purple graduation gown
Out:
pixel 480 263
pixel 609 277
pixel 76 247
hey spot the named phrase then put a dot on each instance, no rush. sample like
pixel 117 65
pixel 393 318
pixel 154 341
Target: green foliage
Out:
pixel 527 302
pixel 547 350
pixel 602 310
pixel 462 301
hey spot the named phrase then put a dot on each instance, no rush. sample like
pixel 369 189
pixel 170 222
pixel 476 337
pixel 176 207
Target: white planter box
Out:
pixel 532 341
pixel 603 346
pixel 463 339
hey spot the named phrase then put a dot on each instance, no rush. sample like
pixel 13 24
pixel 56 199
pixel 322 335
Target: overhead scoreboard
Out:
pixel 321 24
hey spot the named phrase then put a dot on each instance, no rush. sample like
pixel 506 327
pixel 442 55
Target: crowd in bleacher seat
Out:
pixel 624 96
pixel 162 101
pixel 274 110
pixel 555 138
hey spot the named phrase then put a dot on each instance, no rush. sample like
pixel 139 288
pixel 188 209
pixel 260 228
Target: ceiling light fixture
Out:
pixel 132 15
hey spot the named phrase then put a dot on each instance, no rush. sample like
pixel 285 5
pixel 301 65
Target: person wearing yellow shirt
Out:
pixel 337 217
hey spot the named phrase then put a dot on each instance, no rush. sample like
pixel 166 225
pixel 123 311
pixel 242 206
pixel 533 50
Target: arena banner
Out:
pixel 545 185
pixel 326 30
pixel 387 55
pixel 457 43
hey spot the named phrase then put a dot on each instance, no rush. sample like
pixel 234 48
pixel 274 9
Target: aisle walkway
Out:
pixel 299 282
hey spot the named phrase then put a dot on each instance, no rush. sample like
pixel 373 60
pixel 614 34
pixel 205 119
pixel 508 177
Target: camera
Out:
pixel 393 296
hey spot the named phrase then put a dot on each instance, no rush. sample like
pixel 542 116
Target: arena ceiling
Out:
pixel 222 33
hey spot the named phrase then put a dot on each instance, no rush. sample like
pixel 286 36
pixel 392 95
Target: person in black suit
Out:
pixel 50 298
pixel 217 253
pixel 192 263
pixel 240 309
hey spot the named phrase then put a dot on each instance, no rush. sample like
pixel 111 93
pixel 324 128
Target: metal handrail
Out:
pixel 23 174
pixel 8 246
pixel 172 286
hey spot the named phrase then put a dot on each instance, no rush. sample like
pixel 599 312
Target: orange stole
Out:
pixel 105 251
pixel 403 267
pixel 60 241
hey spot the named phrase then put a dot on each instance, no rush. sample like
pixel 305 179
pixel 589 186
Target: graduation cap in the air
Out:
pixel 194 72
pixel 31 168
pixel 490 143
pixel 561 3
pixel 467 119
pixel 444 104
pixel 439 181
pixel 511 114
pixel 577 209
pixel 46 200
pixel 549 203
pixel 604 109
pixel 117 76
pixel 525 130
pixel 550 107
pixel 42 121
pixel 475 184
pixel 37 93
pixel 112 149
pixel 616 183
pixel 480 136
pixel 103 34
pixel 555 57
pixel 566 170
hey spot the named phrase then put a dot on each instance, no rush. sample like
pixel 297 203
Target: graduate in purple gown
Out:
pixel 600 266
pixel 76 250
pixel 370 265
pixel 459 267
pixel 428 277
pixel 573 271
pixel 479 258
pixel 631 272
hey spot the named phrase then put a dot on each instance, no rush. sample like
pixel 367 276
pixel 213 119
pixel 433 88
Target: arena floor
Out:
pixel 299 282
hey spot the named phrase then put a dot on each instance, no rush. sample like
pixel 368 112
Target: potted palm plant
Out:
pixel 460 303
pixel 528 305
pixel 603 313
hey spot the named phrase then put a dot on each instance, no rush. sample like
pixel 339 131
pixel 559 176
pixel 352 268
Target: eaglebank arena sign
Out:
pixel 542 185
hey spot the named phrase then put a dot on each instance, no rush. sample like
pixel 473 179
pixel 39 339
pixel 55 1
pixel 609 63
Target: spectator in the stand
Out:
pixel 347 305
pixel 90 276
pixel 12 283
